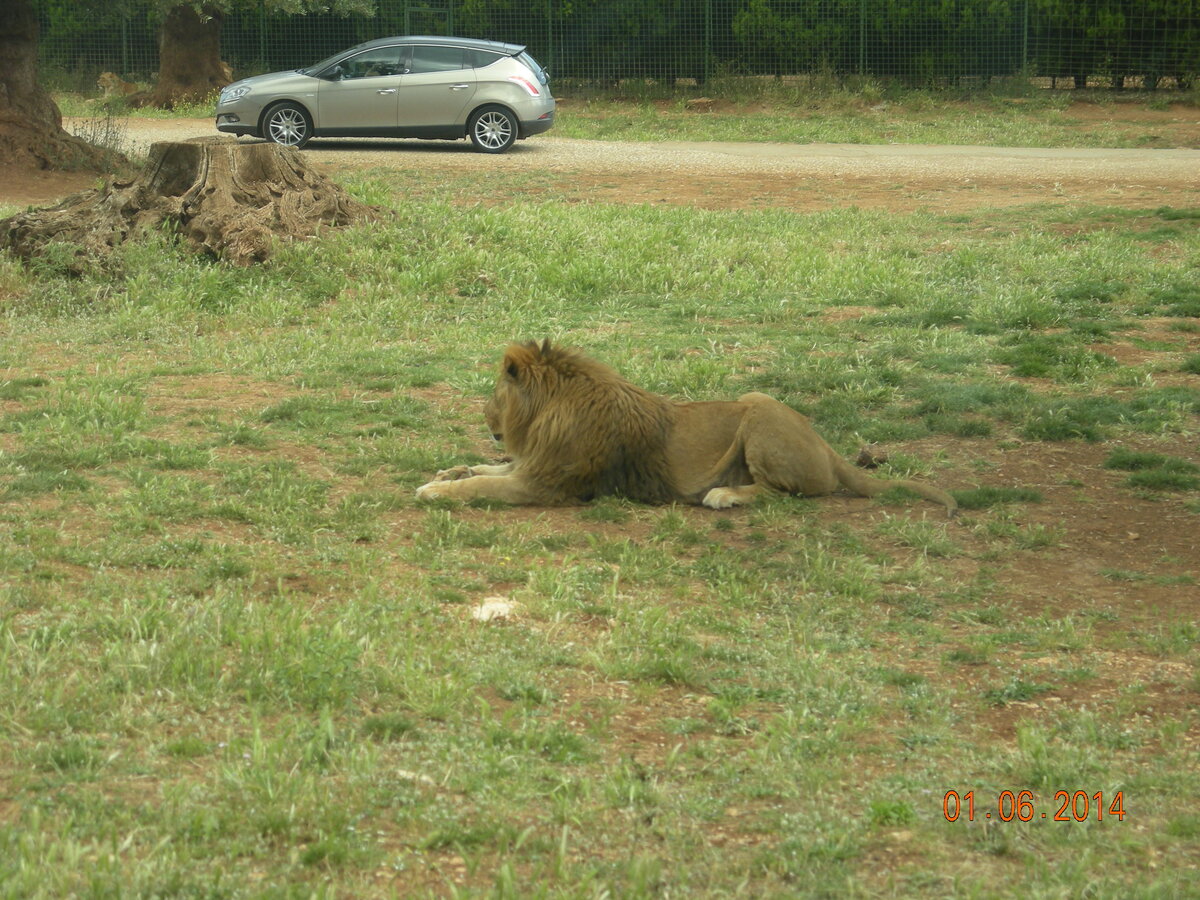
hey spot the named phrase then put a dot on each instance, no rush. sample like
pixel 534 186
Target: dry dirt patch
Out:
pixel 739 176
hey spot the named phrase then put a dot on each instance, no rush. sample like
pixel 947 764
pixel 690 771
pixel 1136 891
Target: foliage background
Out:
pixel 920 42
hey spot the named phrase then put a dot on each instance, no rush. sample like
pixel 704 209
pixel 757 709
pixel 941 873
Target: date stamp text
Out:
pixel 1024 806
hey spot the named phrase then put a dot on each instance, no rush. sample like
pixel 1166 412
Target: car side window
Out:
pixel 479 59
pixel 426 58
pixel 373 63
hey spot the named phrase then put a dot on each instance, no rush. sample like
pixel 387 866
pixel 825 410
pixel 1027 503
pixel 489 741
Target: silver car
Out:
pixel 415 87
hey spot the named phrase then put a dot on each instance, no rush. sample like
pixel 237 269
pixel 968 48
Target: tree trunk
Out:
pixel 31 132
pixel 189 57
pixel 231 200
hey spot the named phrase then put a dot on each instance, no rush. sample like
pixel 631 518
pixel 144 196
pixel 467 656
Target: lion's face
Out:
pixel 491 411
pixel 498 411
pixel 506 410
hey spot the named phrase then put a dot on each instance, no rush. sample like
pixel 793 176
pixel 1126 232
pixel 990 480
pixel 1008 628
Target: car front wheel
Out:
pixel 288 124
pixel 492 130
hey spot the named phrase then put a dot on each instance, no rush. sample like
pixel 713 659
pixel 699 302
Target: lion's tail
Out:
pixel 861 483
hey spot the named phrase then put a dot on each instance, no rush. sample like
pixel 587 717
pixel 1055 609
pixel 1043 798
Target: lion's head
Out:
pixel 526 383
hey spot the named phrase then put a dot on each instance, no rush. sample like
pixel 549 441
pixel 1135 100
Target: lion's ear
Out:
pixel 545 346
pixel 518 357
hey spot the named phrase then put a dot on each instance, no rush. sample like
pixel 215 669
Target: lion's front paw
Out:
pixel 433 490
pixel 454 473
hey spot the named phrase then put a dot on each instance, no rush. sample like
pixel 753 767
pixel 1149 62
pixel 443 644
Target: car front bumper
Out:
pixel 231 123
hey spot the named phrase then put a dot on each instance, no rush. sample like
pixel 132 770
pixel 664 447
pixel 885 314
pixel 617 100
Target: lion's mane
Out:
pixel 578 429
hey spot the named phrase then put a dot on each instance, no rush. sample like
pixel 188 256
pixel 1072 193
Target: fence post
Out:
pixel 1025 39
pixel 862 37
pixel 708 51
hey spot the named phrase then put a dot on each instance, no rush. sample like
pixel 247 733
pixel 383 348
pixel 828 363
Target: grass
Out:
pixel 1155 471
pixel 235 652
pixel 812 111
pixel 868 113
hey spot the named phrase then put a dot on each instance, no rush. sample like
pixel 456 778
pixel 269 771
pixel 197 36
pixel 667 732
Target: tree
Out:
pixel 189 54
pixel 189 48
pixel 31 132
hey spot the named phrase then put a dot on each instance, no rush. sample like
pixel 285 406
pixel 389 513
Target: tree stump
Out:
pixel 230 200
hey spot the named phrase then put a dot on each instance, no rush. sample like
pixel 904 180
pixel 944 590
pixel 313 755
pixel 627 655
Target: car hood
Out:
pixel 277 81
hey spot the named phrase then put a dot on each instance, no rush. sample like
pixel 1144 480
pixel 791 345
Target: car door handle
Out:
pixel 459 87
pixel 386 91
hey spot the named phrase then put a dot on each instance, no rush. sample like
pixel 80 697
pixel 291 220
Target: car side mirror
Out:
pixel 333 73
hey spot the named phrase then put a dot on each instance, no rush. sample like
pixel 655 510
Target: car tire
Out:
pixel 288 124
pixel 492 129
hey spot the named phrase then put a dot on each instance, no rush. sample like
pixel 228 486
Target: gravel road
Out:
pixel 717 175
pixel 547 153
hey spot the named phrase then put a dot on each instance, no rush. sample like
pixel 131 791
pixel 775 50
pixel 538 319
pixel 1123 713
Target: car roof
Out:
pixel 445 41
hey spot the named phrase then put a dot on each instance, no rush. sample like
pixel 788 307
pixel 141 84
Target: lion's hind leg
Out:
pixel 782 450
pixel 784 453
pixel 774 449
pixel 726 497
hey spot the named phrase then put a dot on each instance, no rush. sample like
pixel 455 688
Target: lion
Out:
pixel 113 85
pixel 576 430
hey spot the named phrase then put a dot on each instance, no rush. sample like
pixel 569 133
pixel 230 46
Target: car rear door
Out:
pixel 437 88
pixel 366 96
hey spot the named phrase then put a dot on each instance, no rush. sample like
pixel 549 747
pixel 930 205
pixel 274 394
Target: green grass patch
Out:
pixel 236 651
pixel 1165 480
pixel 1016 690
pixel 1051 356
pixel 1155 471
pixel 812 110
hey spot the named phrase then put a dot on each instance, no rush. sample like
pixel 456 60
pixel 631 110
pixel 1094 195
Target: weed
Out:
pixel 967 656
pixel 989 496
pixel 1015 690
pixel 388 727
pixel 930 539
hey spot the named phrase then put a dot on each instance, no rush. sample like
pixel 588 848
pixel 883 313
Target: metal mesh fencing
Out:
pixel 683 43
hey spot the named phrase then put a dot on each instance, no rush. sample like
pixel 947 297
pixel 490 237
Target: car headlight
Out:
pixel 233 92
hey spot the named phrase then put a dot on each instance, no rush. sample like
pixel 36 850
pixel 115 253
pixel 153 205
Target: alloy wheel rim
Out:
pixel 493 130
pixel 287 127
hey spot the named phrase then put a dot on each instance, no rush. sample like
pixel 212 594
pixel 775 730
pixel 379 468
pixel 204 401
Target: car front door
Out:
pixel 364 96
pixel 437 88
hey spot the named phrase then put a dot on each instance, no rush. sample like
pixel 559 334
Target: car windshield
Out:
pixel 325 63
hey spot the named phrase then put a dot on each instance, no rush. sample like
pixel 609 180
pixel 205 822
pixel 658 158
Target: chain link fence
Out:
pixel 688 43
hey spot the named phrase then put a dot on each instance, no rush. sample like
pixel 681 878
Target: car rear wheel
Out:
pixel 492 130
pixel 288 124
